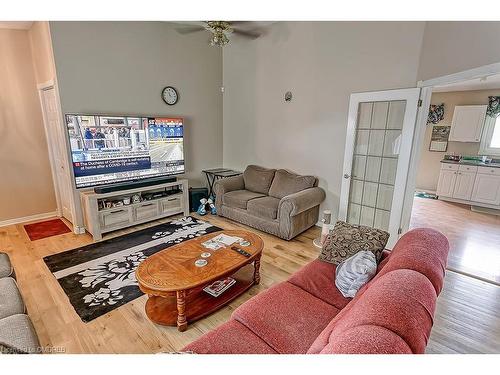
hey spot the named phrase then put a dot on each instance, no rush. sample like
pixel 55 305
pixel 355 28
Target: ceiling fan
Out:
pixel 221 30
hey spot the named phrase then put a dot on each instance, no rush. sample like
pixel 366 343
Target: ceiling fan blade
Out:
pixel 189 29
pixel 247 34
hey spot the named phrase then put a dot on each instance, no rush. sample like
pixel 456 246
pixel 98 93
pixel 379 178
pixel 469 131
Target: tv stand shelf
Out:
pixel 116 210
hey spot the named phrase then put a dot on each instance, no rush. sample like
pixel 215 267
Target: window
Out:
pixel 490 141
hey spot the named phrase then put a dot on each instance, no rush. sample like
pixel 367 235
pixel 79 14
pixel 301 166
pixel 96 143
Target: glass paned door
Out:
pixel 378 148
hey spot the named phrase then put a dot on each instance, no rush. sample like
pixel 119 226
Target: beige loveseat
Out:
pixel 274 201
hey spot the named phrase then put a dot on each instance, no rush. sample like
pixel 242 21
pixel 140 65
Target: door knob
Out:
pixel 346 176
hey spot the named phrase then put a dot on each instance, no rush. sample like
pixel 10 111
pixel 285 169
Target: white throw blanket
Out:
pixel 355 272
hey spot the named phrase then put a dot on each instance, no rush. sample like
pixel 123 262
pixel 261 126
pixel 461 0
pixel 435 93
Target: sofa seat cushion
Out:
pixel 11 302
pixel 318 278
pixel 264 207
pixel 6 269
pixel 286 183
pixel 258 179
pixel 239 198
pixel 231 337
pixel 17 331
pixel 286 317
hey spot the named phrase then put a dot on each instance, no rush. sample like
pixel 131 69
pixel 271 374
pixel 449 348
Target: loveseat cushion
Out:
pixel 286 317
pixel 231 337
pixel 239 198
pixel 258 179
pixel 264 207
pixel 6 269
pixel 317 278
pixel 11 302
pixel 286 183
pixel 17 331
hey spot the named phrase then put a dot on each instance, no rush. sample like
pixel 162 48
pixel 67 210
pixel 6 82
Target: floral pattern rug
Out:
pixel 100 277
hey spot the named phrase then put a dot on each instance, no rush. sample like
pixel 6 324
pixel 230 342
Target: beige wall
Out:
pixel 41 49
pixel 428 171
pixel 26 186
pixel 322 63
pixel 451 47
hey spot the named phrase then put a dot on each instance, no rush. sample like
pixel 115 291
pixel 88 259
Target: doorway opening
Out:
pixel 457 179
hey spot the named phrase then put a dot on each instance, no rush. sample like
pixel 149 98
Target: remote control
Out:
pixel 241 251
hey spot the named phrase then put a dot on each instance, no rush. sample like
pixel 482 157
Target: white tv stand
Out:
pixel 156 202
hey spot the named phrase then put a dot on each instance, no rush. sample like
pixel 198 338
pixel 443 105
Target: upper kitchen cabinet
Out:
pixel 467 124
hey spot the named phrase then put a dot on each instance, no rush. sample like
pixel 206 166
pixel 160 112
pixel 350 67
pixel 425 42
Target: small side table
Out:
pixel 217 174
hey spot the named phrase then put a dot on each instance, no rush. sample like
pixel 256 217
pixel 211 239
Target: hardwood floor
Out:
pixel 466 321
pixel 474 237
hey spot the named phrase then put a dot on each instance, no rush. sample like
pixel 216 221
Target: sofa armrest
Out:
pixel 226 185
pixel 296 203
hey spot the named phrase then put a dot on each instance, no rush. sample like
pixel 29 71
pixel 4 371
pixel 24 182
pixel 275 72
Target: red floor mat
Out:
pixel 46 229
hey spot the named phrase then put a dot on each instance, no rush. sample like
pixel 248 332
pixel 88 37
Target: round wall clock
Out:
pixel 169 95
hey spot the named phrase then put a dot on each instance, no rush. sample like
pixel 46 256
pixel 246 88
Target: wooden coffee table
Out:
pixel 175 284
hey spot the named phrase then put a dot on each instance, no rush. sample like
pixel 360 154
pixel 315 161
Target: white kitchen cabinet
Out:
pixel 487 186
pixel 447 178
pixel 464 185
pixel 467 123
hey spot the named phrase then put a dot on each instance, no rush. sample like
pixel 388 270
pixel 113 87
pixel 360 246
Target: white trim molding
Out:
pixel 25 219
pixel 45 85
pixel 482 71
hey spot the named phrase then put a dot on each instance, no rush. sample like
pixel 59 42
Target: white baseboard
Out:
pixel 25 219
pixel 428 191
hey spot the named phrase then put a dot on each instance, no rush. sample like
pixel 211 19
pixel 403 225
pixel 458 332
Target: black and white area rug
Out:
pixel 100 277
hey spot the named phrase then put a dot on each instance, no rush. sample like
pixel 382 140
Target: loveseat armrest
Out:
pixel 226 185
pixel 296 203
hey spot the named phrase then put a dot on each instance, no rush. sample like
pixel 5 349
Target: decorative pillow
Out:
pixel 286 183
pixel 345 240
pixel 355 272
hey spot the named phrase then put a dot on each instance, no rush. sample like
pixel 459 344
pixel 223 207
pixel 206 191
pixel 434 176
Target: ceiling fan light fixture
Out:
pixel 220 31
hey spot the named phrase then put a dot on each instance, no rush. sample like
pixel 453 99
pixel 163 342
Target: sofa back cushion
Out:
pixel 423 250
pixel 258 179
pixel 402 302
pixel 286 183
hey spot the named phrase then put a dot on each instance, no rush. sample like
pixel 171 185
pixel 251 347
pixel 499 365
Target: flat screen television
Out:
pixel 111 149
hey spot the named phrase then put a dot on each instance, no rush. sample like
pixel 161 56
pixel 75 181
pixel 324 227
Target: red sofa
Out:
pixel 393 313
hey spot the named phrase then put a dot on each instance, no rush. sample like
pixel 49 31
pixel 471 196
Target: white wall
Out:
pixel 322 63
pixel 452 47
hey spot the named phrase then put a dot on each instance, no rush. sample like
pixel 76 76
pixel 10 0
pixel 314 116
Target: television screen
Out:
pixel 108 149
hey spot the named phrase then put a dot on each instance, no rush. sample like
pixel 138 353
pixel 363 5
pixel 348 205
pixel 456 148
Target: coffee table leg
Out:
pixel 256 271
pixel 181 311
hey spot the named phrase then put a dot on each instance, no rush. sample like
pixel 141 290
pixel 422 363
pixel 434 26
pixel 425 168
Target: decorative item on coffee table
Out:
pixel 174 278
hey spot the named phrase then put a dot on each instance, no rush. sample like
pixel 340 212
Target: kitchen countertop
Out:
pixel 467 162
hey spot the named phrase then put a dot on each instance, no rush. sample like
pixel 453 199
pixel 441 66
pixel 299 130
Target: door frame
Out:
pixel 51 84
pixel 411 95
pixel 423 113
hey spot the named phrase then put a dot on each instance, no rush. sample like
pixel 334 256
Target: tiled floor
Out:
pixel 474 237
